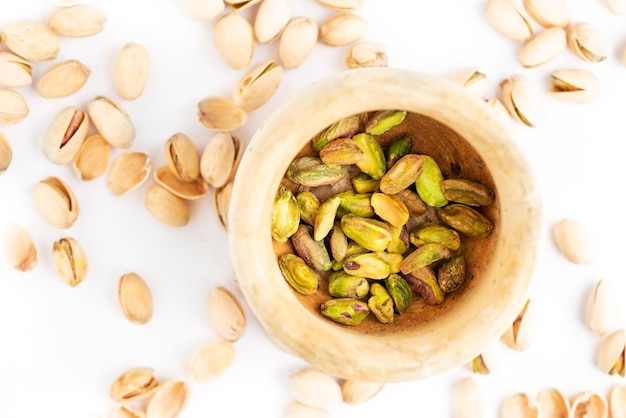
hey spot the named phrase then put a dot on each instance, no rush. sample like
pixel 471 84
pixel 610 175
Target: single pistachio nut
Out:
pixel 168 400
pixel 601 311
pixel 345 285
pixel 575 85
pixel 506 17
pixel 549 13
pixel 393 260
pixel 188 190
pixel 367 232
pixel 390 208
pixel 345 127
pixel 298 274
pixel 19 248
pixel 217 160
pixel 617 400
pixel 523 100
pixel 384 120
pixel 451 274
pixel 309 206
pixel 313 387
pixel 399 148
pixel 271 18
pixel 574 240
pixel 56 202
pixel 552 403
pixel 204 10
pixel 343 29
pixel 373 164
pixel 77 21
pixel 132 67
pixel 15 71
pixel 297 409
pixel 359 204
pixel 423 256
pixel 342 5
pixel 610 358
pixel 65 135
pixel 314 253
pixel 412 201
pixel 212 360
pixel 589 405
pixel 221 114
pixel 128 411
pixel 226 315
pixel 380 303
pixel 399 240
pixel 617 7
pixel 234 39
pixel 166 207
pixel 258 85
pixel 402 174
pixel 6 154
pixel 31 40
pixel 135 298
pixel 523 329
pixel 467 192
pixel 182 157
pixel 112 122
pixel 342 151
pixel 466 220
pixel 13 108
pixel 424 282
pixel 362 183
pixel 338 242
pixel 588 42
pixel 356 392
pixel 297 41
pixel 519 405
pixel 467 399
pixel 312 172
pixel 70 261
pixel 346 311
pixel 285 214
pixel 221 203
pixel 134 384
pixel 488 360
pixel 431 232
pixel 368 265
pixel 543 47
pixel 64 79
pixel 92 158
pixel 400 291
pixel 128 171
pixel 366 54
pixel 429 183
pixel 471 80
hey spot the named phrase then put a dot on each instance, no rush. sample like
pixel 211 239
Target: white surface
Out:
pixel 62 347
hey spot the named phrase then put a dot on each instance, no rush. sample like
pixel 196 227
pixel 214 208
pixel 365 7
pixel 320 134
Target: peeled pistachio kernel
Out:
pixel 467 400
pixel 523 100
pixel 390 209
pixel 400 292
pixel 77 21
pixel 373 164
pixel 589 42
pixel 325 219
pixel 6 154
pixel 134 384
pixel 412 201
pixel 204 10
pixel 343 151
pixel 399 148
pixel 298 274
pixel 369 233
pixel 15 71
pixel 508 19
pixel 65 135
pixel 285 215
pixel 234 39
pixel 380 303
pixel 467 192
pixel 70 261
pixel 128 172
pixel 314 253
pixel 543 47
pixel 602 309
pixel 112 122
pixel 393 260
pixel 384 120
pixel 362 183
pixel 574 85
pixel 226 315
pixel 424 282
pixel 135 298
pixel 617 7
pixel 610 357
pixel 548 13
pixel 271 18
pixel 258 85
pixel 424 256
pixel 451 274
pixel 338 243
pixel 182 157
pixel 92 158
pixel 64 79
pixel 522 332
pixel 297 41
pixel 346 311
pixel 166 207
pixel 309 205
pixel 56 202
pixel 466 220
pixel 342 5
pixel 221 114
pixel 471 80
pixel 189 190
pixel 519 405
pixel 617 400
pixel 212 360
pixel 402 174
pixel 168 399
pixel 13 108
pixel 31 40
pixel 589 405
pixel 574 240
pixel 368 265
pixel 312 172
pixel 345 285
pixel 430 232
pixel 345 127
pixel 132 67
pixel 399 240
pixel 356 392
pixel 343 29
pixel 19 248
pixel 552 403
pixel 366 54
pixel 359 204
pixel 429 183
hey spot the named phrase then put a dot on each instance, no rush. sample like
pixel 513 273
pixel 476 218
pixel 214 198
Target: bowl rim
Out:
pixel 392 357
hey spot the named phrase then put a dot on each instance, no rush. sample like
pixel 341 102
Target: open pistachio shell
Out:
pixel 522 332
pixel 6 154
pixel 15 71
pixel 77 21
pixel 617 400
pixel 258 85
pixel 548 13
pixel 523 100
pixel 234 39
pixel 366 54
pixel 471 79
pixel 129 171
pixel 70 260
pixel 19 248
pixel 64 79
pixel 13 108
pixel 112 122
pixel 519 405
pixel 218 159
pixel 92 158
pixel 271 18
pixel 611 353
pixel 189 190
pixel 134 384
pixel 182 157
pixel 552 403
pixel 221 114
pixel 343 29
pixel 575 85
pixel 488 361
pixel 65 135
pixel 31 40
pixel 602 310
pixel 543 47
pixel 467 400
pixel 312 386
pixel 506 17
pixel 589 42
pixel 297 41
pixel 56 202
pixel 589 405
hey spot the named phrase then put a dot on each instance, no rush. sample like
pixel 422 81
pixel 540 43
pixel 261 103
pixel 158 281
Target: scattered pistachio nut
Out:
pixel 343 29
pixel 188 190
pixel 271 18
pixel 112 122
pixel 549 13
pixel 15 71
pixel 610 357
pixel 64 79
pixel 56 202
pixel 617 7
pixel 65 135
pixel 523 100
pixel 543 47
pixel 258 85
pixel 31 40
pixel 168 400
pixel 212 360
pixel 166 207
pixel 92 158
pixel 297 41
pixel 135 298
pixel 226 314
pixel 467 400
pixel 519 405
pixel 182 157
pixel 128 411
pixel 508 19
pixel 221 114
pixel 218 159
pixel 575 85
pixel 129 171
pixel 204 9
pixel 588 42
pixel 134 384
pixel 471 80
pixel 132 68
pixel 77 21
pixel 6 153
pixel 234 39
pixel 366 54
pixel 552 403
pixel 221 203
pixel 355 392
pixel 589 405
pixel 523 329
pixel 13 108
pixel 342 5
pixel 313 387
pixel 574 240
pixel 601 311
pixel 617 400
pixel 299 410
pixel 70 261
pixel 19 248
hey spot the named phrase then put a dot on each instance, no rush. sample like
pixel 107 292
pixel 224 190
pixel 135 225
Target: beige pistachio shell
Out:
pixel 342 5
pixel 70 260
pixel 552 403
pixel 574 240
pixel 588 42
pixel 212 360
pixel 188 190
pixel 135 298
pixel 77 21
pixel 56 202
pixel 15 71
pixel 221 114
pixel 575 85
pixel 221 203
pixel 92 158
pixel 258 85
pixel 65 135
pixel 519 405
pixel 523 100
pixel 602 309
pixel 589 405
pixel 128 411
pixel 313 387
pixel 226 314
pixel 297 41
pixel 488 361
pixel 112 122
pixel 234 39
pixel 218 159
pixel 616 6
pixel 356 392
pixel 548 13
pixel 271 18
pixel 366 54
pixel 132 67
pixel 168 400
pixel 129 171
pixel 471 79
pixel 467 399
pixel 543 47
pixel 13 108
pixel 506 17
pixel 134 384
pixel 522 332
pixel 182 157
pixel 343 29
pixel 166 207
pixel 31 40
pixel 204 10
pixel 6 154
pixel 610 357
pixel 300 410
pixel 241 4
pixel 19 248
pixel 617 400
pixel 64 79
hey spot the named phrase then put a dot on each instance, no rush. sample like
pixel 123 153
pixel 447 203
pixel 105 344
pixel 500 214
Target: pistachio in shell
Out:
pixel 31 40
pixel 519 405
pixel 135 298
pixel 366 54
pixel 65 135
pixel 56 202
pixel 218 159
pixel 343 29
pixel 297 41
pixel 220 113
pixel 356 392
pixel 182 157
pixel 523 100
pixel 574 240
pixel 542 48
pixel 552 403
pixel 204 10
pixel 64 79
pixel 506 17
pixel 617 400
pixel 549 13
pixel 226 315
pixel 13 107
pixel 166 207
pixel 589 42
pixel 610 357
pixel 112 122
pixel 168 399
pixel 15 71
pixel 19 248
pixel 471 80
pixel 129 171
pixel 77 21
pixel 132 67
pixel 212 360
pixel 271 18
pixel 221 203
pixel 574 85
pixel 92 158
pixel 234 39
pixel 134 384
pixel 523 329
pixel 602 309
pixel 258 85
pixel 467 399
pixel 589 405
pixel 342 5
pixel 70 260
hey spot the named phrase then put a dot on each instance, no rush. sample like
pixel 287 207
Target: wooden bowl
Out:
pixel 467 141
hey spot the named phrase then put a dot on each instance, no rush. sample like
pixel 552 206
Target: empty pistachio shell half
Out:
pixel 70 260
pixel 64 79
pixel 188 190
pixel 616 6
pixel 129 171
pixel 112 122
pixel 617 400
pixel 521 333
pixel 204 9
pixel 519 405
pixel 132 67
pixel 548 13
pixel 467 400
pixel 212 360
pixel 6 154
pixel 166 207
pixel 297 41
pixel 552 403
pixel 134 384
pixel 56 202
pixel 343 29
pixel 588 42
pixel 574 240
pixel 226 314
pixel 65 135
pixel 356 392
pixel 574 85
pixel 19 248
pixel 523 100
pixel 168 400
pixel 602 309
pixel 13 108
pixel 342 5
pixel 313 387
pixel 471 79
pixel 135 298
pixel 92 158
pixel 31 40
pixel 258 85
pixel 508 19
pixel 366 54
pixel 15 71
pixel 234 39
pixel 77 21
pixel 221 114
pixel 182 157
pixel 128 411
pixel 271 18
pixel 299 410
pixel 589 405
pixel 543 47
pixel 218 159
pixel 611 353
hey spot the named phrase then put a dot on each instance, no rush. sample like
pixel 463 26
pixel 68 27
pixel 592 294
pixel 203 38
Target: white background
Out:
pixel 61 347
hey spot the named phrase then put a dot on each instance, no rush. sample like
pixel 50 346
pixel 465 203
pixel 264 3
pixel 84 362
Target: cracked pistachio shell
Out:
pixel 6 154
pixel 575 85
pixel 218 158
pixel 128 411
pixel 166 207
pixel 168 400
pixel 543 47
pixel 212 360
pixel 226 315
pixel 523 100
pixel 133 384
pixel 552 403
pixel 467 400
pixel 508 19
pixel 271 18
pixel 56 202
pixel 188 190
pixel 135 298
pixel 77 21
pixel 617 400
pixel 355 392
pixel 112 122
pixel 610 358
pixel 297 41
pixel 65 135
pixel 616 6
pixel 471 80
pixel 182 157
pixel 299 410
pixel 488 361
pixel 366 54
pixel 523 329
pixel 31 40
pixel 70 261
pixel 19 248
pixel 519 405
pixel 548 13
pixel 132 68
pixel 588 42
pixel 258 85
pixel 15 71
pixel 221 203
pixel 92 158
pixel 602 309
pixel 313 387
pixel 129 171
pixel 64 79
pixel 574 240
pixel 343 29
pixel 342 5
pixel 234 39
pixel 13 108
pixel 589 405
pixel 221 114
pixel 204 9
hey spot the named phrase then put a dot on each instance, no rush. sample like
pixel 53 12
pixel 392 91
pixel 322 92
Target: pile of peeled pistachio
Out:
pixel 380 223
